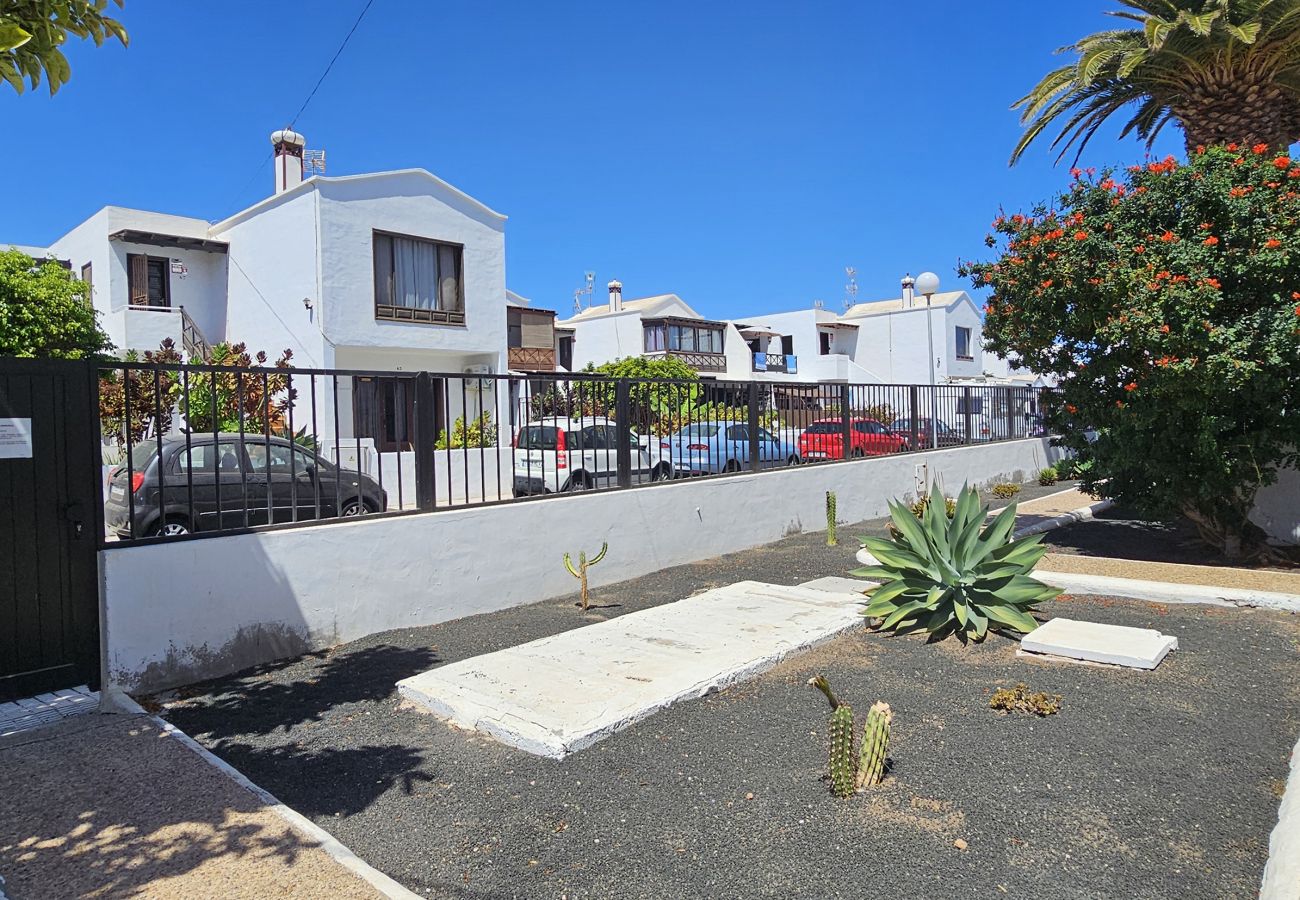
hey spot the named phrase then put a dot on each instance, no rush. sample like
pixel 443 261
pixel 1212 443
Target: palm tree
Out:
pixel 1223 70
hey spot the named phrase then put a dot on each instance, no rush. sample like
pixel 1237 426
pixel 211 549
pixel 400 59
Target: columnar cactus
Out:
pixel 841 762
pixel 831 540
pixel 875 745
pixel 580 572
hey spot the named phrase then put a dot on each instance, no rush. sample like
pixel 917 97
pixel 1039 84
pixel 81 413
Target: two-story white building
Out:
pixel 390 271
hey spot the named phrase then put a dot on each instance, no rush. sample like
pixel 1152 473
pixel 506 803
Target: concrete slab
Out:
pixel 554 696
pixel 838 585
pixel 1139 648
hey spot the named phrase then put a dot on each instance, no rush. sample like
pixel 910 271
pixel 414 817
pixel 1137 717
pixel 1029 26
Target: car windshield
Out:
pixel 538 437
pixel 142 455
pixel 824 428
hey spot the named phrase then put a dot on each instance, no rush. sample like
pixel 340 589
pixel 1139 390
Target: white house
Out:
pixel 803 345
pixel 390 271
pixel 663 325
pixel 895 337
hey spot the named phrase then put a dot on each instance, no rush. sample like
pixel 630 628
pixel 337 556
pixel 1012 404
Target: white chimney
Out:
pixel 615 296
pixel 909 291
pixel 288 158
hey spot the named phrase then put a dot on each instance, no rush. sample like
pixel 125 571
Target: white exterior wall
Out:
pixel 417 205
pixel 893 345
pixel 606 338
pixel 176 613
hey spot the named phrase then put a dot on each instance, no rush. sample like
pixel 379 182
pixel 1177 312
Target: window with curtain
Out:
pixel 418 280
pixel 963 343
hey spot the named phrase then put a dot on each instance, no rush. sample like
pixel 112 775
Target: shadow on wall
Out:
pixel 194 616
pixel 294 696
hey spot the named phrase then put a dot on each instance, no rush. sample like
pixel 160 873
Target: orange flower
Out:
pixel 1119 404
pixel 1206 226
pixel 1047 283
pixel 1200 148
pixel 1168 237
pixel 1259 149
pixel 1163 275
pixel 1164 329
pixel 1210 241
pixel 1295 295
pixel 1081 235
pixel 1139 249
pixel 1233 147
pixel 1282 162
pixel 1131 386
pixel 1214 283
pixel 1164 361
pixel 1294 173
pixel 1071 408
pixel 1272 243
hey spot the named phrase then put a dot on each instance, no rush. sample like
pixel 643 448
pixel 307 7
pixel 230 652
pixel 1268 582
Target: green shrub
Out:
pixel 919 507
pixel 1048 476
pixel 481 433
pixel 951 576
pixel 1066 467
pixel 1005 490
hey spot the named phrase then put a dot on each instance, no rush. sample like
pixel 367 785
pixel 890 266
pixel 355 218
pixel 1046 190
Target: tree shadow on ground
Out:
pixel 142 816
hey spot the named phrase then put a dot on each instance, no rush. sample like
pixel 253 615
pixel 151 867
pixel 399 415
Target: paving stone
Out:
pixel 1139 648
pixel 555 696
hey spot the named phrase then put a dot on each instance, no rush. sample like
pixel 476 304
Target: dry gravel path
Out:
pixel 108 807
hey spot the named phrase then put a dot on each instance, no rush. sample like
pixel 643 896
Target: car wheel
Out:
pixel 355 508
pixel 661 472
pixel 794 460
pixel 579 482
pixel 172 527
pixel 858 453
pixel 732 466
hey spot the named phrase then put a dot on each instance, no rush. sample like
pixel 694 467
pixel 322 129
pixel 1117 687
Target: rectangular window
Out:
pixel 418 280
pixel 514 328
pixel 825 338
pixel 566 352
pixel 385 411
pixel 149 280
pixel 674 337
pixel 963 343
pixel 86 276
pixel 654 338
pixel 787 344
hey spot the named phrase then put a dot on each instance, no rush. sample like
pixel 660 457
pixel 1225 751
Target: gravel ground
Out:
pixel 1120 534
pixel 1145 785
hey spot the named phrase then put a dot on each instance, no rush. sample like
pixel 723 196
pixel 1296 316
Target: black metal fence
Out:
pixel 202 450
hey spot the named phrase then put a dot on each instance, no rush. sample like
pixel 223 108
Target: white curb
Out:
pixel 1168 592
pixel 298 822
pixel 1282 874
pixel 1082 514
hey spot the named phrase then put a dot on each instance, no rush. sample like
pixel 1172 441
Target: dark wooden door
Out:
pixel 50 516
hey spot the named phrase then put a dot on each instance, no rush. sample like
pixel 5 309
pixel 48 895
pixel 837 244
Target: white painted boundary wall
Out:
pixel 177 613
pixel 460 476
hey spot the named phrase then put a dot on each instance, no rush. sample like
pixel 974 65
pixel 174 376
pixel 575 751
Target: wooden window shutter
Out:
pixel 138 278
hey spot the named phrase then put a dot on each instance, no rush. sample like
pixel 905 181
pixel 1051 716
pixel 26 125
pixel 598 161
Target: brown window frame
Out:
pixel 87 275
pixel 389 312
pixel 166 263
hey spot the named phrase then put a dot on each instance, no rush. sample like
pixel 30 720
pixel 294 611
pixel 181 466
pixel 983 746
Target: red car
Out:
pixel 824 439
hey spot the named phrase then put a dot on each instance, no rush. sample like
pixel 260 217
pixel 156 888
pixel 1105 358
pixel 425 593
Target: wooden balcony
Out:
pixel 696 359
pixel 532 359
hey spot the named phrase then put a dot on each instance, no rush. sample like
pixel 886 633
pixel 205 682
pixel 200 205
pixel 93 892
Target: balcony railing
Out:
pixel 776 362
pixel 696 359
pixel 532 359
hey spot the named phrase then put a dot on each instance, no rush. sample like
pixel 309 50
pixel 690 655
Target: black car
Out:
pixel 224 481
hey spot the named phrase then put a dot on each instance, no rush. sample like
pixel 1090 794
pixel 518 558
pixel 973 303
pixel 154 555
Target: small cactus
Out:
pixel 841 762
pixel 580 571
pixel 875 745
pixel 831 540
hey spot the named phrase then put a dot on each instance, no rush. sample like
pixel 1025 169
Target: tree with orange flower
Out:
pixel 1172 327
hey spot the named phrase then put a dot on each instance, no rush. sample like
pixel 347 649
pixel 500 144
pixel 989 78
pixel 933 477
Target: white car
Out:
pixel 555 454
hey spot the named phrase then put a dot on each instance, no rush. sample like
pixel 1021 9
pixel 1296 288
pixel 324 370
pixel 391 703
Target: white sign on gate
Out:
pixel 15 438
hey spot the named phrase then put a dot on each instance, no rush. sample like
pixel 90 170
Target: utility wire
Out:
pixel 330 65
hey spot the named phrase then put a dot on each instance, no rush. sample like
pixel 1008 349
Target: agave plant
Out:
pixel 945 576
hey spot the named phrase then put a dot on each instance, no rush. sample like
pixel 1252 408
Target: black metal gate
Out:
pixel 50 514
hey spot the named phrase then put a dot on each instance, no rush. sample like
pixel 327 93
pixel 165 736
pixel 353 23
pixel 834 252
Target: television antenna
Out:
pixel 313 163
pixel 589 279
pixel 817 304
pixel 851 289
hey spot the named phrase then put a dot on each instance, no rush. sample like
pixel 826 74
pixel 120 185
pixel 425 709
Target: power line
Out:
pixel 365 9
pixel 294 121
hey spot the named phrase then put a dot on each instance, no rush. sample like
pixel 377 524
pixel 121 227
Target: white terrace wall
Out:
pixel 177 613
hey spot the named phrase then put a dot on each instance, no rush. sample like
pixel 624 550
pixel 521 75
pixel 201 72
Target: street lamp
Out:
pixel 927 285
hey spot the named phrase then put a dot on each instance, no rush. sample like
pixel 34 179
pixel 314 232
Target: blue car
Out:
pixel 707 448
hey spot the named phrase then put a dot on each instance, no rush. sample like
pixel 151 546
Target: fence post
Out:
pixel 1011 412
pixel 755 462
pixel 846 432
pixel 425 438
pixel 966 401
pixel 623 432
pixel 914 410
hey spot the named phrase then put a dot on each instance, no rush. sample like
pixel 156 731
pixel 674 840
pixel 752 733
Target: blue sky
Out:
pixel 738 155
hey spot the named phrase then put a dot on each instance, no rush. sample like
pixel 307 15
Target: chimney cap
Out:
pixel 615 285
pixel 286 136
pixel 908 280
